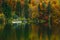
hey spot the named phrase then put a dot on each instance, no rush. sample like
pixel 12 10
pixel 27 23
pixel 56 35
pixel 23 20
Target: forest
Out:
pixel 29 20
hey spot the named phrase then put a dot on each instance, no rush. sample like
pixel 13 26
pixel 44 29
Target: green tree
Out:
pixel 18 9
pixel 49 8
pixel 39 9
pixel 49 20
pixel 6 10
pixel 44 7
pixel 26 9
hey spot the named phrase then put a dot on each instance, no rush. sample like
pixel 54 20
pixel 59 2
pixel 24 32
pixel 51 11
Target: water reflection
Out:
pixel 26 31
pixel 23 29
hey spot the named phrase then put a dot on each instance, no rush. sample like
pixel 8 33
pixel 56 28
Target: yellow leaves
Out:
pixel 33 15
pixel 34 10
pixel 54 4
pixel 1 15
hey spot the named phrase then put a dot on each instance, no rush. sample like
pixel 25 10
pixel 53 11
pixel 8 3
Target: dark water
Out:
pixel 26 31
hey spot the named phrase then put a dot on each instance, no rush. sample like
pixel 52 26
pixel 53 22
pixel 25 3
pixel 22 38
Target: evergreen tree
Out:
pixel 26 10
pixel 49 8
pixel 18 9
pixel 43 6
pixel 26 15
pixel 49 30
pixel 39 9
pixel 49 13
pixel 6 10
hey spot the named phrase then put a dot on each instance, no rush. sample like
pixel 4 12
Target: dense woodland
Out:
pixel 36 20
